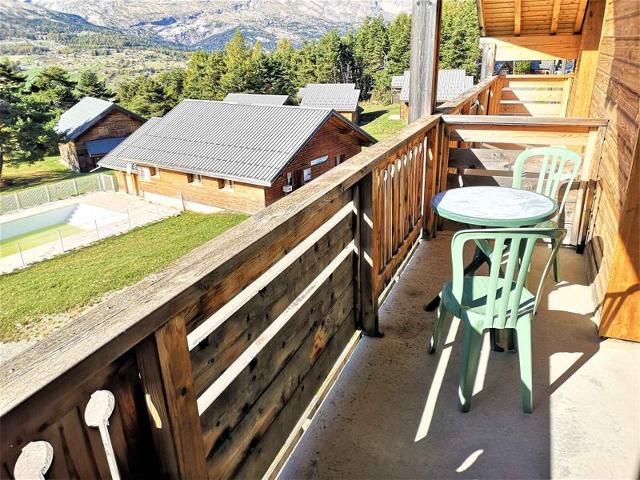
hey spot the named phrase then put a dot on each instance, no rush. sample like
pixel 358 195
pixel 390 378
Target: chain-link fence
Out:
pixel 83 229
pixel 50 192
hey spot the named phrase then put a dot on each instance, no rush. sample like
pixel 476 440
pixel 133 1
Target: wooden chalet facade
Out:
pixel 329 140
pixel 91 129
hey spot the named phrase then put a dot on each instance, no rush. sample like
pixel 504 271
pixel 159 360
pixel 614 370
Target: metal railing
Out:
pixel 50 192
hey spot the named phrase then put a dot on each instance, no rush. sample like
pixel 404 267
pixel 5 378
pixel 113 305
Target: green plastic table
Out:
pixel 494 206
pixel 491 207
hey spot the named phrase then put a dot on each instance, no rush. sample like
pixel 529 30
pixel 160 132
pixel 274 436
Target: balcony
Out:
pixel 393 411
pixel 217 364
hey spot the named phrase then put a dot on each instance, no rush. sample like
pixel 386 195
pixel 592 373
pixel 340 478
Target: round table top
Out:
pixel 494 206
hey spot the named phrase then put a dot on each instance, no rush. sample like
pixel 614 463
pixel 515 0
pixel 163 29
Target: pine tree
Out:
pixel 89 85
pixel 399 44
pixel 236 58
pixel 26 126
pixel 459 36
pixel 53 87
pixel 327 59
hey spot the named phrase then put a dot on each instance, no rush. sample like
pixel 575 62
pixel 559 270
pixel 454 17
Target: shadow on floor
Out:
pixel 393 412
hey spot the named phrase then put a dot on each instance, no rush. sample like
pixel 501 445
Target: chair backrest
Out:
pixel 558 166
pixel 512 248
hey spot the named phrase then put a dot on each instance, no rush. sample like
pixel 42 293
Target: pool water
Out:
pixel 35 238
pixel 43 227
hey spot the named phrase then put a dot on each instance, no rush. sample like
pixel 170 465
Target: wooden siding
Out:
pixel 243 198
pixel 616 96
pixel 115 124
pixel 333 139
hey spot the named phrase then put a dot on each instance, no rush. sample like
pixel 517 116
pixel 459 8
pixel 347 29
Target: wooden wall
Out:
pixel 616 97
pixel 115 124
pixel 333 139
pixel 244 197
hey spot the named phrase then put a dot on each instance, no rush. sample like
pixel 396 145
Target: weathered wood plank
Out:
pixel 165 370
pixel 223 346
pixel 221 420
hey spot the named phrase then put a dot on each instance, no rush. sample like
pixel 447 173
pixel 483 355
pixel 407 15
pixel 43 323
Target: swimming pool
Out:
pixel 43 227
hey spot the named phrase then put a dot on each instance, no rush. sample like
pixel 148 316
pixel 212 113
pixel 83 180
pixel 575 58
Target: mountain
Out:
pixel 198 23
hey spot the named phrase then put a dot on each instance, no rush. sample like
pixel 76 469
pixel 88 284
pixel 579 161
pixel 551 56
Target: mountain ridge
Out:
pixel 198 24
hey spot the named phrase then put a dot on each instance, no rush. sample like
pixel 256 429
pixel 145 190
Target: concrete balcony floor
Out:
pixel 393 411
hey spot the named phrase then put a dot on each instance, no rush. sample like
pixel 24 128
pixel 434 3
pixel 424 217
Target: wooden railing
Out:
pixel 481 150
pixel 214 363
pixel 481 99
pixel 534 95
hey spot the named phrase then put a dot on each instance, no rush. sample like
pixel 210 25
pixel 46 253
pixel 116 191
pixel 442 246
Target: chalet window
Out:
pixel 319 160
pixel 289 178
pixel 194 178
pixel 339 159
pixel 145 174
pixel 227 185
pixel 155 172
pixel 306 175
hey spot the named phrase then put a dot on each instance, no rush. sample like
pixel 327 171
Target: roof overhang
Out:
pixel 501 18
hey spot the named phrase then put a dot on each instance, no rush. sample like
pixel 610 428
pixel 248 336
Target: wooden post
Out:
pixel 75 186
pixel 368 307
pixel 167 379
pixel 425 45
pixel 488 60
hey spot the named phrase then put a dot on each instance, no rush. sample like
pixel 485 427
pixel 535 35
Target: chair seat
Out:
pixel 547 224
pixel 474 301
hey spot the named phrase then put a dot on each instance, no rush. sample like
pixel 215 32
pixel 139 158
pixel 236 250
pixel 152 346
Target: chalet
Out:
pixel 91 129
pixel 396 87
pixel 451 83
pixel 259 99
pixel 341 97
pixel 233 156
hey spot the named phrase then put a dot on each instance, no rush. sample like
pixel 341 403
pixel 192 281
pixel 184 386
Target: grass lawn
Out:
pixel 77 279
pixel 376 120
pixel 19 176
pixel 36 238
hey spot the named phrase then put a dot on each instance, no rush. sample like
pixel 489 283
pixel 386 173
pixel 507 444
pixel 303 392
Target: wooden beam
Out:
pixel 517 27
pixel 535 47
pixel 480 16
pixel 555 17
pixel 167 378
pixel 582 10
pixel 587 60
pixel 488 60
pixel 425 42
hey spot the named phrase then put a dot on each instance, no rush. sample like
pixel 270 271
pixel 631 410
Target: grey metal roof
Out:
pixel 247 143
pixel 258 99
pixel 103 145
pixel 338 96
pixel 397 81
pixel 84 114
pixel 451 83
pixel 114 159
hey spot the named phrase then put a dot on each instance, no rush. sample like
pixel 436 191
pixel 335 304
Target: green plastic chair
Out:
pixel 483 302
pixel 552 176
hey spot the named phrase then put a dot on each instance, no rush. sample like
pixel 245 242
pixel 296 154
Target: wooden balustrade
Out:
pixel 481 99
pixel 214 362
pixel 481 150
pixel 534 95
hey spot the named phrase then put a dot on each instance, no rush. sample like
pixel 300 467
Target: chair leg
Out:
pixel 511 340
pixel 437 328
pixel 556 265
pixel 523 330
pixel 470 358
